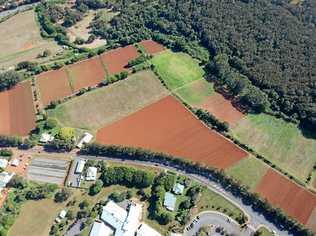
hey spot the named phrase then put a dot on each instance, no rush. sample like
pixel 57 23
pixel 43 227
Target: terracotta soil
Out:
pixel 87 73
pixel 168 127
pixel 116 60
pixel 152 47
pixel 53 85
pixel 17 110
pixel 290 197
pixel 222 108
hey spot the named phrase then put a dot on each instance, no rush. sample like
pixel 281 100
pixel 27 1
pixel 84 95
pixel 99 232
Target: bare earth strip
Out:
pixel 106 105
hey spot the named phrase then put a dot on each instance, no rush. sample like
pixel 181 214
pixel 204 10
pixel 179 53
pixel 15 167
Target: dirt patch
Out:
pixel 152 47
pixel 87 73
pixel 116 60
pixel 222 109
pixel 53 85
pixel 281 192
pixel 17 110
pixel 311 223
pixel 169 127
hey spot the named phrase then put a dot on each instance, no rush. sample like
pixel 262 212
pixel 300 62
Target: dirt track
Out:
pixel 281 192
pixel 152 47
pixel 168 127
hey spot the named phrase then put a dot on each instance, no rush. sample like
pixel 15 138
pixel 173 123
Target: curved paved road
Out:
pixel 255 218
pixel 217 220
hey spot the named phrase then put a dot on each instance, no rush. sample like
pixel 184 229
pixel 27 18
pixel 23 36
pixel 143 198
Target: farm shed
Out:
pixel 178 188
pixel 91 173
pixel 87 137
pixel 170 201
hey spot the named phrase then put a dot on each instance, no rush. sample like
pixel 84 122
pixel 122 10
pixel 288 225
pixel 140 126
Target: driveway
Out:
pixel 215 220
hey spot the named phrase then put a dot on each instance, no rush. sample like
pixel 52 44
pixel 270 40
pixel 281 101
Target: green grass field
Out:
pixel 196 92
pixel 264 231
pixel 103 106
pixel 279 141
pixel 177 69
pixel 249 171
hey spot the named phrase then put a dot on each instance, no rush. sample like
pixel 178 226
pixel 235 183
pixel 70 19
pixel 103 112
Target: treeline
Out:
pixel 269 43
pixel 275 215
pixel 8 79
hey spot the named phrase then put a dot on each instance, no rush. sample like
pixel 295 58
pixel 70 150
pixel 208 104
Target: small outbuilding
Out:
pixel 87 138
pixel 178 188
pixel 170 201
pixel 91 174
pixel 46 138
pixel 3 163
pixel 15 162
pixel 62 214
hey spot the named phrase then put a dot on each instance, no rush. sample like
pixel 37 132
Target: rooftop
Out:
pixel 170 201
pixel 145 230
pixel 178 188
pixel 100 229
pixel 91 173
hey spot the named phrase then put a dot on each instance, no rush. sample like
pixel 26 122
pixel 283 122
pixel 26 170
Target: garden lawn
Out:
pixel 196 92
pixel 249 171
pixel 279 141
pixel 108 104
pixel 36 218
pixel 264 231
pixel 210 200
pixel 177 69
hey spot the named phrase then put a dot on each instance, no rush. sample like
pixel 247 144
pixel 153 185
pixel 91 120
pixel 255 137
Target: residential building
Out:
pixel 170 201
pixel 178 188
pixel 46 138
pixel 80 166
pixel 91 173
pixel 87 138
pixel 145 230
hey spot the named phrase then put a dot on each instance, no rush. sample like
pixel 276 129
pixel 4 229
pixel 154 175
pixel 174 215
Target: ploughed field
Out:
pixel 167 126
pixel 17 114
pixel 152 47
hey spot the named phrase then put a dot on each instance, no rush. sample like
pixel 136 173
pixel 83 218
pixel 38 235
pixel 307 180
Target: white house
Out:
pixel 178 188
pixel 80 166
pixel 124 222
pixel 3 163
pixel 145 230
pixel 100 229
pixel 87 137
pixel 91 173
pixel 46 138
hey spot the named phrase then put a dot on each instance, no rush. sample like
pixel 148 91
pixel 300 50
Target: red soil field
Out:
pixel 167 126
pixel 17 110
pixel 116 60
pixel 152 47
pixel 290 197
pixel 87 73
pixel 53 85
pixel 223 109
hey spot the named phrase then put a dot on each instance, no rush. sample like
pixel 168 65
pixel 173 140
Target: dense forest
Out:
pixel 271 43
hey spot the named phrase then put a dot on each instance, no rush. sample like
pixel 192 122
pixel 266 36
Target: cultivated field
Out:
pixel 169 127
pixel 86 73
pixel 177 69
pixel 196 92
pixel 293 199
pixel 17 114
pixel 106 105
pixel 222 108
pixel 53 85
pixel 152 47
pixel 20 40
pixel 116 60
pixel 279 141
pixel 249 171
